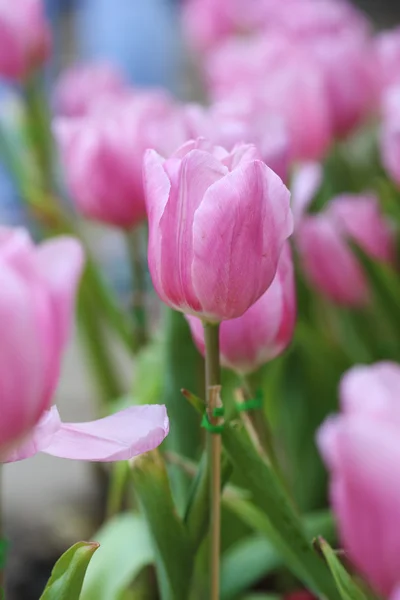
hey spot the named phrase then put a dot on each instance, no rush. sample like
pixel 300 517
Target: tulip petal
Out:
pixel 120 436
pixel 239 229
pixel 38 439
pixel 60 264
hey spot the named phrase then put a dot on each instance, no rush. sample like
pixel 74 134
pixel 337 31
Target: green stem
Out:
pixel 134 243
pixel 96 345
pixel 213 378
pixel 39 131
pixel 117 486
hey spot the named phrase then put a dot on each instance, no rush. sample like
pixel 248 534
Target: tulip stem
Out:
pixel 211 337
pixel 134 244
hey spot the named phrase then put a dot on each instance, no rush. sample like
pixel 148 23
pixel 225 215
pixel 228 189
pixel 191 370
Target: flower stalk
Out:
pixel 213 378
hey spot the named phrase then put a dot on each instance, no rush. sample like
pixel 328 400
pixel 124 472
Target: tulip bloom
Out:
pixel 390 134
pixel 217 224
pixel 82 86
pixel 327 259
pixel 102 154
pixel 25 37
pixel 264 331
pixel 37 292
pixel 361 449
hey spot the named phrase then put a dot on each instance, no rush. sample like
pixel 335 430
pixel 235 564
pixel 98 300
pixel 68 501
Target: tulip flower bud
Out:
pixel 387 46
pixel 102 154
pixel 25 37
pixel 327 259
pixel 264 331
pixel 37 293
pixel 82 86
pixel 361 449
pixel 217 224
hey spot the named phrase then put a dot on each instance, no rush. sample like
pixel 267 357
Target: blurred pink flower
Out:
pixel 387 46
pixel 217 224
pixel 241 120
pixel 264 331
pixel 36 303
pixel 102 153
pixel 80 87
pixel 37 293
pixel 25 37
pixel 282 82
pixel 326 257
pixel 208 22
pixel 390 133
pixel 362 452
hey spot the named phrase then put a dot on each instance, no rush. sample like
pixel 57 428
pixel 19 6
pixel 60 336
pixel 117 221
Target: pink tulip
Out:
pixel 37 292
pixel 390 134
pixel 350 73
pixel 362 452
pixel 217 224
pixel 25 37
pixel 327 259
pixel 82 86
pixel 208 22
pixel 103 152
pixel 36 302
pixel 387 46
pixel 264 331
pixel 240 120
pixel 280 81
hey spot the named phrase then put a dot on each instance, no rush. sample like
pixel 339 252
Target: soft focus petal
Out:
pixel 121 436
pixel 328 261
pixel 372 390
pixel 305 184
pixel 60 263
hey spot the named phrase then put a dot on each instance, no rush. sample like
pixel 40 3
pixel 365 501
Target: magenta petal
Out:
pixel 121 436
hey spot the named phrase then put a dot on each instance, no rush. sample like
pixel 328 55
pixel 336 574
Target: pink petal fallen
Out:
pixel 121 436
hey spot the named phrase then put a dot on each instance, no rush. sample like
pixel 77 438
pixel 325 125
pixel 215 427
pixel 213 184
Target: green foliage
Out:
pixel 172 546
pixel 348 588
pixel 125 549
pixel 68 573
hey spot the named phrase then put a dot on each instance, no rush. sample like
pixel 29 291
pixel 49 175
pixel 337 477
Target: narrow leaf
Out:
pixel 346 585
pixel 67 576
pixel 172 546
pixel 285 530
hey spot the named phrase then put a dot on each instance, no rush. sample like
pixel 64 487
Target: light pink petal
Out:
pixel 365 494
pixel 38 439
pixel 328 262
pixel 60 263
pixel 197 171
pixel 305 184
pixel 239 229
pixel 372 390
pixel 121 436
pixel 360 217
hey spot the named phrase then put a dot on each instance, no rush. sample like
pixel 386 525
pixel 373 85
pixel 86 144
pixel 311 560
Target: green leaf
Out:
pixel 125 550
pixel 172 546
pixel 245 563
pixel 183 369
pixel 284 528
pixel 67 576
pixel 346 585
